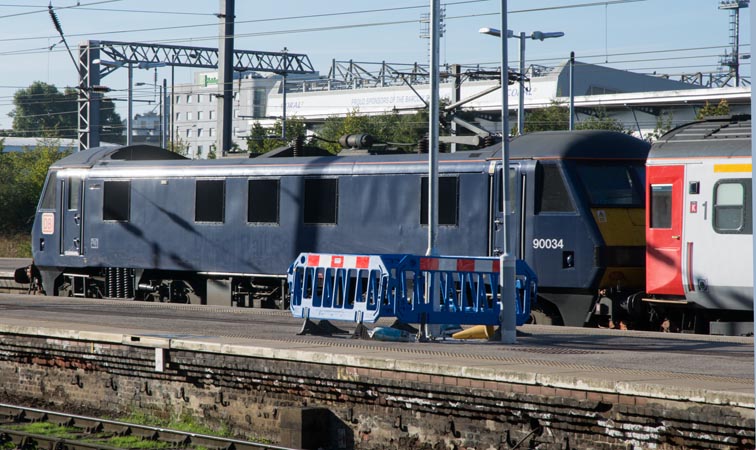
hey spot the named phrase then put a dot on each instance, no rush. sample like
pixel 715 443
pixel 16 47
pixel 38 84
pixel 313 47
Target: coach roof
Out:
pixel 716 136
pixel 581 144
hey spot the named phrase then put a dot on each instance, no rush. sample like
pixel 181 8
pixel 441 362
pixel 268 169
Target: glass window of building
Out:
pixel 188 115
pixel 199 115
pixel 199 132
pixel 188 98
pixel 211 114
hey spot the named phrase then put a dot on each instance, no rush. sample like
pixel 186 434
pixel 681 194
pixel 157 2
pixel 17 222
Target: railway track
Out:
pixel 90 433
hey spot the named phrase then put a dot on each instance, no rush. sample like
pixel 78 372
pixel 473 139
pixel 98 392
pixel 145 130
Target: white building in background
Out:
pixel 194 117
pixel 638 101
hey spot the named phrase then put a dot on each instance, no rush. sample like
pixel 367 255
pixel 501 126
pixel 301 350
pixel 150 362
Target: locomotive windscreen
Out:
pixel 612 184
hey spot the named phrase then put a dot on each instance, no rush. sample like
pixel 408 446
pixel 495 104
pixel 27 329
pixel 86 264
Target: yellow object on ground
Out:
pixel 476 332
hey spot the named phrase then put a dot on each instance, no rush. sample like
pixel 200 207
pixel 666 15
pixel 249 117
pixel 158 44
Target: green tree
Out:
pixel 557 117
pixel 553 117
pixel 722 109
pixel 22 175
pixel 601 121
pixel 41 110
pixel 390 128
pixel 262 140
pixel 178 146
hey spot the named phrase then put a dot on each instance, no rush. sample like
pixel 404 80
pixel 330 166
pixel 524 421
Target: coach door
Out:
pixel 497 208
pixel 664 230
pixel 71 216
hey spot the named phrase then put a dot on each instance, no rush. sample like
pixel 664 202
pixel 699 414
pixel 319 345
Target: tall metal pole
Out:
pixel 572 91
pixel 433 128
pixel 164 118
pixel 283 125
pixel 173 102
pixel 433 132
pixel 129 107
pixel 225 75
pixel 753 180
pixel 506 260
pixel 521 105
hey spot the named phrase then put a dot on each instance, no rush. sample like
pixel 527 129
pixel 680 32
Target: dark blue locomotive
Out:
pixel 141 222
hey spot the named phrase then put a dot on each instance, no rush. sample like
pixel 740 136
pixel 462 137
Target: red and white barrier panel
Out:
pixel 343 261
pixel 460 264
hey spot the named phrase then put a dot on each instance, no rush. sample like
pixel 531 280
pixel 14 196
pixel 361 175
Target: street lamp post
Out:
pixel 539 35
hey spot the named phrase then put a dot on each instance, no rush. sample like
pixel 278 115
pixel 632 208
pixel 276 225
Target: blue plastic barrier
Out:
pixel 340 287
pixel 465 288
pixel 362 288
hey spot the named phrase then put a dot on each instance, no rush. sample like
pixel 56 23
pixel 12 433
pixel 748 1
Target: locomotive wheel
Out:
pixel 545 314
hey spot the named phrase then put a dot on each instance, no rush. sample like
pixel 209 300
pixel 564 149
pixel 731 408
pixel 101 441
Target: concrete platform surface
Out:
pixel 707 369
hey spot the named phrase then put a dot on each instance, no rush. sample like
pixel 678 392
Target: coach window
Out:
pixel 321 200
pixel 731 212
pixel 448 201
pixel 660 209
pixel 209 201
pixel 116 200
pixel 262 201
pixel 551 191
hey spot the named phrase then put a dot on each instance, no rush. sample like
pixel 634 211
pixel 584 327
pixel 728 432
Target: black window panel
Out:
pixel 660 214
pixel 611 184
pixel 262 201
pixel 448 200
pixel 74 193
pixel 732 207
pixel 116 201
pixel 551 192
pixel 48 198
pixel 321 200
pixel 209 201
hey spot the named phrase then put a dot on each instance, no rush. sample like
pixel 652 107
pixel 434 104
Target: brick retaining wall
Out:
pixel 369 408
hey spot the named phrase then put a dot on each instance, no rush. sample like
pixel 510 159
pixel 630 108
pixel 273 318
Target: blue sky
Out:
pixel 665 36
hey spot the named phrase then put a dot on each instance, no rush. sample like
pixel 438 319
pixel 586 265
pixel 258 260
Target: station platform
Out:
pixel 606 367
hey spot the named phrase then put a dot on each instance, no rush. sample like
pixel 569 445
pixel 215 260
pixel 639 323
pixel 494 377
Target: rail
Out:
pixel 13 414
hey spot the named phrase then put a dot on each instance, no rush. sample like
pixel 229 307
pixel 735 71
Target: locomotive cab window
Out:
pixel 262 201
pixel 732 214
pixel 660 207
pixel 321 201
pixel 116 199
pixel 48 197
pixel 448 201
pixel 611 185
pixel 551 191
pixel 209 201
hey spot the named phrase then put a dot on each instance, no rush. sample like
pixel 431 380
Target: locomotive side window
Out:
pixel 74 193
pixel 321 201
pixel 48 198
pixel 731 212
pixel 209 201
pixel 448 200
pixel 660 214
pixel 116 199
pixel 551 192
pixel 262 201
